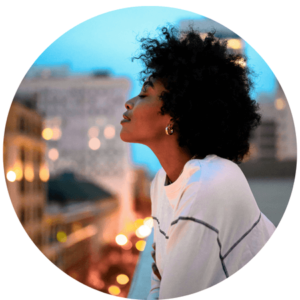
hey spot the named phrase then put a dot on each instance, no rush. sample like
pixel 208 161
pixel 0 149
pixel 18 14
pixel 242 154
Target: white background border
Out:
pixel 29 27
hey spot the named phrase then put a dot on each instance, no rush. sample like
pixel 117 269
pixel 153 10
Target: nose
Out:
pixel 129 104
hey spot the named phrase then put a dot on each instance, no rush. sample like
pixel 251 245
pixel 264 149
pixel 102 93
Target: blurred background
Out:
pixel 81 194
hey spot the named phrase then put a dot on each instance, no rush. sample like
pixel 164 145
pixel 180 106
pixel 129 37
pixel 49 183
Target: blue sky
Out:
pixel 108 41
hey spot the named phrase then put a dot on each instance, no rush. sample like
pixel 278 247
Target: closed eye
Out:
pixel 141 96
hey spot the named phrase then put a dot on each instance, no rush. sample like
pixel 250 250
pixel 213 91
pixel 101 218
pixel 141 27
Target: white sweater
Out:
pixel 207 226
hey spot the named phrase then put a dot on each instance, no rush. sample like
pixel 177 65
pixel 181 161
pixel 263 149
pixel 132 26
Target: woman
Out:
pixel 196 114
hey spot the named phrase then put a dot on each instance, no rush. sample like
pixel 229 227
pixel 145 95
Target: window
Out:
pixel 22 125
pixel 22 154
pixel 22 186
pixel 39 213
pixel 22 215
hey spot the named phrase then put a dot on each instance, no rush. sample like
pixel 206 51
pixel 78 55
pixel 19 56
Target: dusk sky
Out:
pixel 108 41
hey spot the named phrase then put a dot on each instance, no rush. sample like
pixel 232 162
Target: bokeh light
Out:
pixel 19 172
pixel 280 104
pixel 61 236
pixel 53 154
pixel 121 239
pixel 140 245
pixel 114 290
pixel 11 176
pixel 143 231
pixel 47 134
pixel 56 133
pixel 29 173
pixel 93 132
pixel 234 44
pixel 44 174
pixel 129 227
pixel 94 143
pixel 148 222
pixel 138 223
pixel 109 132
pixel 122 279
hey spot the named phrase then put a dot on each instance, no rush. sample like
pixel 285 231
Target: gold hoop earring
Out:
pixel 169 131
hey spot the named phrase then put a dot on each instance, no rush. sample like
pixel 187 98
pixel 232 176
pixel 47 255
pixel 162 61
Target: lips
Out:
pixel 126 117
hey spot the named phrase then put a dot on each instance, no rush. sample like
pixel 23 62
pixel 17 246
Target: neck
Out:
pixel 171 157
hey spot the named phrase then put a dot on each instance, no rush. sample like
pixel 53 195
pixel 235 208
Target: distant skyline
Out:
pixel 108 42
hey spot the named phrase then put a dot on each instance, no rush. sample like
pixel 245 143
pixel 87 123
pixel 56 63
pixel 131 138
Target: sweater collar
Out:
pixel 174 190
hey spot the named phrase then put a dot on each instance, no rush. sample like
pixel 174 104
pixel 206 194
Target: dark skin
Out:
pixel 154 267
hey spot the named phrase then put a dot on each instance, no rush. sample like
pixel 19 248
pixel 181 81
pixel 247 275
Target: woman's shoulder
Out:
pixel 218 188
pixel 216 171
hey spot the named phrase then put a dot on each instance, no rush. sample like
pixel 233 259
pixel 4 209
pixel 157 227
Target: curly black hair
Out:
pixel 207 91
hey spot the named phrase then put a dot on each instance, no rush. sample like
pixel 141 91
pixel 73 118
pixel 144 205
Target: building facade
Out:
pixel 25 168
pixel 275 138
pixel 81 129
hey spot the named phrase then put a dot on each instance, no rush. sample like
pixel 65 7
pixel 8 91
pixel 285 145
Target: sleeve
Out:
pixel 193 259
pixel 155 282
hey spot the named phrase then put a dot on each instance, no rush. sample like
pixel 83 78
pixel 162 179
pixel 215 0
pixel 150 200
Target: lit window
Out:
pixel 44 174
pixel 29 173
pixel 18 170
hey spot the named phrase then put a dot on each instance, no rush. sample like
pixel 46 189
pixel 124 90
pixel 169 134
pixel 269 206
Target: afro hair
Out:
pixel 207 91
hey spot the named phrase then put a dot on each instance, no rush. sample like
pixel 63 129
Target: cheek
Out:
pixel 149 120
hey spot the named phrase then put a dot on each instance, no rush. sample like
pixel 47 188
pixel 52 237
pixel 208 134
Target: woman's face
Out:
pixel 143 123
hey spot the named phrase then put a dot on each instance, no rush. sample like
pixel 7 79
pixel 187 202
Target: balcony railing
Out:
pixel 141 281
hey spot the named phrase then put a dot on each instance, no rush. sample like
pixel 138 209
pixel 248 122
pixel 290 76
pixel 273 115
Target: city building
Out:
pixel 275 138
pixel 77 224
pixel 25 167
pixel 81 129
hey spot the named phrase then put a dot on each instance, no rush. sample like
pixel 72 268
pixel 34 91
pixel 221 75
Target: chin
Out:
pixel 125 137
